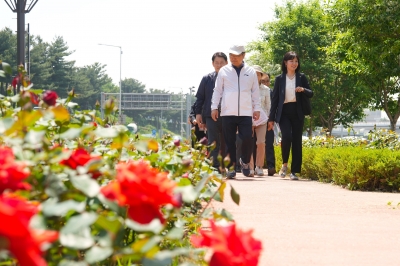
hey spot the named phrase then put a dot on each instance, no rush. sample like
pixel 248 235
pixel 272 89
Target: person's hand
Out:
pixel 299 89
pixel 214 114
pixel 270 125
pixel 194 122
pixel 199 119
pixel 256 115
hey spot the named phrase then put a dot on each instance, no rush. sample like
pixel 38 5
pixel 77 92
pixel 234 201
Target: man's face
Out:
pixel 236 60
pixel 259 76
pixel 266 80
pixel 218 63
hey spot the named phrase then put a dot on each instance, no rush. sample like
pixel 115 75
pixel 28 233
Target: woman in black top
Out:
pixel 286 110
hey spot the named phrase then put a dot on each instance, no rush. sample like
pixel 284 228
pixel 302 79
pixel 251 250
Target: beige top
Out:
pixel 265 98
pixel 290 93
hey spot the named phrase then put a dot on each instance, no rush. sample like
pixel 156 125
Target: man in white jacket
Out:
pixel 237 86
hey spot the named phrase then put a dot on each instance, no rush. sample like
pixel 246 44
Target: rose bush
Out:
pixel 76 189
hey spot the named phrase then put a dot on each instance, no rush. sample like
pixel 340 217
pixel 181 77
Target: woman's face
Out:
pixel 292 64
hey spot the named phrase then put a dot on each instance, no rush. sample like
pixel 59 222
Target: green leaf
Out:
pixel 184 182
pixel 106 132
pixel 163 258
pixel 35 137
pixel 202 182
pixel 96 254
pixel 78 240
pixel 157 262
pixel 189 194
pixel 221 190
pixel 79 222
pixel 175 233
pixel 5 124
pixel 76 233
pixel 52 207
pixel 235 196
pixel 7 68
pixel 154 226
pixel 71 133
pixel 86 184
pixel 110 224
pixel 72 263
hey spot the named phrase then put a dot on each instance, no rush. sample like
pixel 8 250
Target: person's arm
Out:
pixel 267 100
pixel 217 95
pixel 200 98
pixel 274 104
pixel 255 94
pixel 307 90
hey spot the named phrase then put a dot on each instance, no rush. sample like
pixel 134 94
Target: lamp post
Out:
pixel 120 80
pixel 21 7
pixel 189 106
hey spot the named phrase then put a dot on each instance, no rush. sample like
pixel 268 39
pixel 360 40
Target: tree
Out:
pixel 130 85
pixel 88 83
pixel 8 53
pixel 61 76
pixel 304 28
pixel 368 44
pixel 41 67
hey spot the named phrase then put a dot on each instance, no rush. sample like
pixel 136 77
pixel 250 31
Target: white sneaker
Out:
pixel 259 171
pixel 283 171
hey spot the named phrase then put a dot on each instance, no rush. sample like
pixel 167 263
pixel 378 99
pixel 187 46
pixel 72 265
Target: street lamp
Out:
pixel 120 81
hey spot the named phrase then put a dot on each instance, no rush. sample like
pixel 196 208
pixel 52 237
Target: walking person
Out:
pixel 203 108
pixel 198 132
pixel 286 110
pixel 270 134
pixel 237 86
pixel 260 127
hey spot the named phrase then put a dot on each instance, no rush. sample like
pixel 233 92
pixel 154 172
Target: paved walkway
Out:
pixel 311 223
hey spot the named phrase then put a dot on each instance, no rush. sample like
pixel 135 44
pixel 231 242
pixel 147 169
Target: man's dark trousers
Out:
pixel 269 149
pixel 243 124
pixel 214 132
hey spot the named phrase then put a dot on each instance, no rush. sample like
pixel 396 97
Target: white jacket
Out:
pixel 265 96
pixel 240 95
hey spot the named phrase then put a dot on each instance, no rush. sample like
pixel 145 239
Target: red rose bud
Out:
pixel 50 97
pixel 204 141
pixel 15 81
pixel 177 142
pixel 178 199
pixel 185 175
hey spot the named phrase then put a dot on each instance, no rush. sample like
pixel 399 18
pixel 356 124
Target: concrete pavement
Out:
pixel 310 223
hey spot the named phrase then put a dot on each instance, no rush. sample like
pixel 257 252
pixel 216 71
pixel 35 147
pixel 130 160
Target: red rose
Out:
pixel 231 246
pixel 15 81
pixel 50 97
pixel 12 173
pixel 80 157
pixel 142 189
pixel 24 244
pixel 204 141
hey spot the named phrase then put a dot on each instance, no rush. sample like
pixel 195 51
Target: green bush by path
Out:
pixel 353 167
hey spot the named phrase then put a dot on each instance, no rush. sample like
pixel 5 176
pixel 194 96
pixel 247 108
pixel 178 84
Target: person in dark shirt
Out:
pixel 198 132
pixel 203 108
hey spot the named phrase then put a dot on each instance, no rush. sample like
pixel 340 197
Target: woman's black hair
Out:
pixel 289 56
pixel 219 54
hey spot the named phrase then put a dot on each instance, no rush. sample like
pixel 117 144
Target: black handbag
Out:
pixel 305 104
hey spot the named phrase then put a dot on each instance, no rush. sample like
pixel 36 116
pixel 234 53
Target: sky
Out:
pixel 165 44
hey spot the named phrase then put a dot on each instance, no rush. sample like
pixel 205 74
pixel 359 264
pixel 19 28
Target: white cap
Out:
pixel 236 49
pixel 258 69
